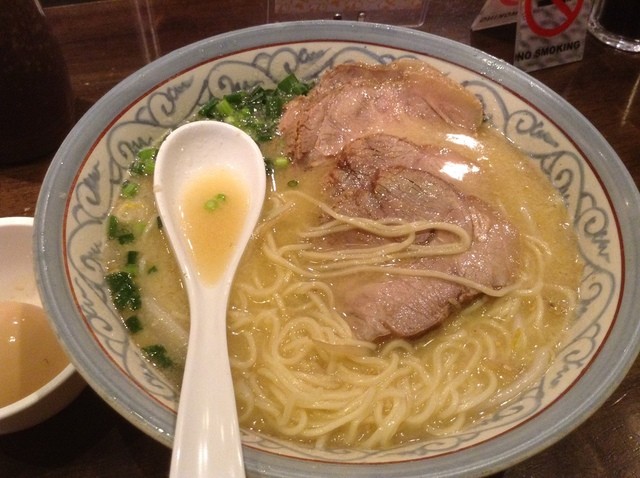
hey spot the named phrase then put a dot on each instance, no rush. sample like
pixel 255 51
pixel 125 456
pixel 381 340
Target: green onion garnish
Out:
pixel 124 291
pixel 215 202
pixel 158 355
pixel 133 324
pixel 129 189
pixel 258 111
pixel 145 162
pixel 280 162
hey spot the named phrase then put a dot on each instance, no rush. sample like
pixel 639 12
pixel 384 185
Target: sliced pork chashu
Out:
pixel 406 98
pixel 382 177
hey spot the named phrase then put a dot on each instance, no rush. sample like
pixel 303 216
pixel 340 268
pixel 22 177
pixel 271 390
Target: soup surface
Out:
pixel 212 210
pixel 29 351
pixel 299 370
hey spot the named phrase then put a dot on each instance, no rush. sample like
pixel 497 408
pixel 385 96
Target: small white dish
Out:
pixel 17 284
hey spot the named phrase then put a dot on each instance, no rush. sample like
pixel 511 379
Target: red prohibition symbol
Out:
pixel 569 14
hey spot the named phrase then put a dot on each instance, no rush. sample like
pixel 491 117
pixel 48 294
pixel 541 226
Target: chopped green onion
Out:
pixel 158 355
pixel 257 95
pixel 129 189
pixel 145 162
pixel 293 86
pixel 116 230
pixel 236 98
pixel 273 106
pixel 131 266
pixel 133 324
pixel 138 228
pixel 126 238
pixel 293 183
pixel 213 203
pixel 209 109
pixel 147 153
pixel 281 162
pixel 124 292
pixel 132 257
pixel 224 107
pixel 112 227
pixel 152 269
pixel 257 111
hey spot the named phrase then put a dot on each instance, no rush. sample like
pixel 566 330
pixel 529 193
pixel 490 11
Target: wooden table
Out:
pixel 104 41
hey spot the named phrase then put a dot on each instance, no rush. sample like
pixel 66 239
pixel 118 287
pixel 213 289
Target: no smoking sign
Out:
pixel 550 32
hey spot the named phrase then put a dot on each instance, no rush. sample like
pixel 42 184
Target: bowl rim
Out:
pixel 16 221
pixel 596 383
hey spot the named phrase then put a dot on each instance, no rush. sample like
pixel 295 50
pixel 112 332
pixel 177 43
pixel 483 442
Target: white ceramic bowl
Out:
pixel 17 283
pixel 602 198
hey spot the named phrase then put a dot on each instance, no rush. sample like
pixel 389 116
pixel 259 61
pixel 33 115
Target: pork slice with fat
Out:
pixel 367 182
pixel 406 98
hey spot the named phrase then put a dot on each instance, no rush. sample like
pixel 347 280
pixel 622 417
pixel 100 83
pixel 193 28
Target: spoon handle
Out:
pixel 213 447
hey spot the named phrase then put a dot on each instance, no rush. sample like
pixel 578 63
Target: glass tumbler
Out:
pixel 617 23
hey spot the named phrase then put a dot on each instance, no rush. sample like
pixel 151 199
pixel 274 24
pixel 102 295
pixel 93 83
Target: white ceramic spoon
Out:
pixel 207 436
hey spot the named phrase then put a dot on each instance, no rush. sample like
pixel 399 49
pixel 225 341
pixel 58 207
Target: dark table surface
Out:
pixel 104 41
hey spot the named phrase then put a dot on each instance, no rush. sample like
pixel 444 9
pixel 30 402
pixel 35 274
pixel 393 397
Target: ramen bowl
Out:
pixel 84 179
